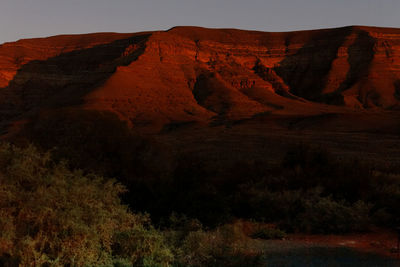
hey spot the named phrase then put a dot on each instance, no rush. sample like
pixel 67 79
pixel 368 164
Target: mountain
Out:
pixel 199 89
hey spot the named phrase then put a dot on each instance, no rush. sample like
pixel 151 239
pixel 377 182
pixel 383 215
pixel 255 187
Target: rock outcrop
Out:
pixel 194 74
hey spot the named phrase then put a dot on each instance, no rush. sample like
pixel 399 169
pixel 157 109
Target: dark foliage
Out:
pixel 350 194
pixel 53 216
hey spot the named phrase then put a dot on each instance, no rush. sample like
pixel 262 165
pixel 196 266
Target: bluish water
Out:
pixel 318 256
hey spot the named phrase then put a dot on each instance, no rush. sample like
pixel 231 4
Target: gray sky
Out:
pixel 37 18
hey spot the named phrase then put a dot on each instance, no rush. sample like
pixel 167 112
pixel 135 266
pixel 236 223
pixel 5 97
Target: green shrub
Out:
pixel 328 216
pixel 142 245
pixel 120 262
pixel 181 222
pixel 53 216
pixel 223 246
pixel 269 233
pixel 386 200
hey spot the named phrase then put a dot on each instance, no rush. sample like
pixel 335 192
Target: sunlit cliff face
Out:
pixel 196 74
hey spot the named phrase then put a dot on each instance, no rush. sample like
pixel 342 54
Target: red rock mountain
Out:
pixel 191 74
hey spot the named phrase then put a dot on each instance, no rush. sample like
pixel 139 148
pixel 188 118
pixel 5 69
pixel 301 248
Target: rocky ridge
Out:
pixel 195 74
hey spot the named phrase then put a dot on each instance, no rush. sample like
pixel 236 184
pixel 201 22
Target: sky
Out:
pixel 40 18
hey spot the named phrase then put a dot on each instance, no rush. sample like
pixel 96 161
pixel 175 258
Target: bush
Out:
pixel 386 200
pixel 328 216
pixel 305 210
pixel 51 215
pixel 142 245
pixel 269 233
pixel 223 246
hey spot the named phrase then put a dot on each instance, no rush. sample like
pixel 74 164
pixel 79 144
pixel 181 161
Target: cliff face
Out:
pixel 196 74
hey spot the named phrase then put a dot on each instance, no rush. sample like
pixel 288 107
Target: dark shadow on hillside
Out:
pixel 64 79
pixel 397 89
pixel 305 72
pixel 210 93
pixel 361 54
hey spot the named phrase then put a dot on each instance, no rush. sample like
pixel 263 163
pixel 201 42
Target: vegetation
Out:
pixel 311 192
pixel 269 233
pixel 352 194
pixel 194 245
pixel 53 216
